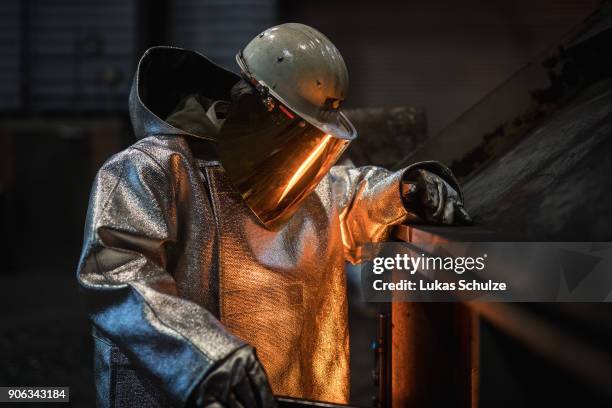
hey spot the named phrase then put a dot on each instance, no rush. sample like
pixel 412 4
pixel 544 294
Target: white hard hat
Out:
pixel 304 71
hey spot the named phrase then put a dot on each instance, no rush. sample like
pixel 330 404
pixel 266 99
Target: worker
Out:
pixel 215 246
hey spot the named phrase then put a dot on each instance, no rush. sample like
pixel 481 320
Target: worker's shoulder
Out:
pixel 141 170
pixel 163 149
pixel 153 152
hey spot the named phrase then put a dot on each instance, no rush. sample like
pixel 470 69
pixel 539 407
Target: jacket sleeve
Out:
pixel 132 297
pixel 370 201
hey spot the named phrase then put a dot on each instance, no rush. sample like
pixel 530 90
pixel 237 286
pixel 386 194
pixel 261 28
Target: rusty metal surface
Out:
pixel 547 329
pixel 433 345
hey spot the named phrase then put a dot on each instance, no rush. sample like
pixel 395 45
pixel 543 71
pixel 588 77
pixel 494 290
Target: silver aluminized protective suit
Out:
pixel 178 273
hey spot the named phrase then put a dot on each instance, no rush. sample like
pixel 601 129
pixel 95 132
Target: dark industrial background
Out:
pixel 65 71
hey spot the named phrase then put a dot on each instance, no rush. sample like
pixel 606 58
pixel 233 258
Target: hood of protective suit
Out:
pixel 272 157
pixel 165 76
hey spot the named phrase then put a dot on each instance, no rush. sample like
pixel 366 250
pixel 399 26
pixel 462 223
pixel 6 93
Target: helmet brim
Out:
pixel 335 122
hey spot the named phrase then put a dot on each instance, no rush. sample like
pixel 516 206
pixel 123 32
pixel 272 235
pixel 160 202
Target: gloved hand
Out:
pixel 239 381
pixel 432 199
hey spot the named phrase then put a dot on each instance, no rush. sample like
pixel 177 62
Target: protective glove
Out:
pixel 432 199
pixel 239 381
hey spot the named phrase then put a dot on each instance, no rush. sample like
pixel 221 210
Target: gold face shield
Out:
pixel 273 158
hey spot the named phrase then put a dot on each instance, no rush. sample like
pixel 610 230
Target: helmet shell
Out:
pixel 301 68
